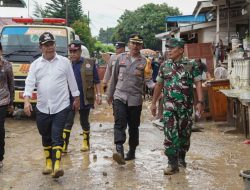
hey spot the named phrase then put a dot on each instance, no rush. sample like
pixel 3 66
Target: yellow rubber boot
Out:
pixel 48 163
pixel 56 157
pixel 85 142
pixel 66 135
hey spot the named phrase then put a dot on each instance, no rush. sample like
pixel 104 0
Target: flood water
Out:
pixel 213 162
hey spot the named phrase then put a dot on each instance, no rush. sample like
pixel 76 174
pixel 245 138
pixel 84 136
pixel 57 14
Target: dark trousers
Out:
pixel 126 115
pixel 3 112
pixel 50 127
pixel 84 119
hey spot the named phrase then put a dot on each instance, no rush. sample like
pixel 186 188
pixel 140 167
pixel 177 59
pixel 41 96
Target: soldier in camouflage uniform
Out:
pixel 177 76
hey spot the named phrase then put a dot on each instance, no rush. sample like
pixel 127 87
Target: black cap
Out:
pixel 119 45
pixel 46 37
pixel 75 45
pixel 136 38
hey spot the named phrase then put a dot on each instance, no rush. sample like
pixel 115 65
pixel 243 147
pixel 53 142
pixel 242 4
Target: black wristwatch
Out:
pixel 201 102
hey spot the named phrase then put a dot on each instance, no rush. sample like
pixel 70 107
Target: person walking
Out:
pixel 119 48
pixel 52 75
pixel 176 77
pixel 88 83
pixel 6 98
pixel 126 94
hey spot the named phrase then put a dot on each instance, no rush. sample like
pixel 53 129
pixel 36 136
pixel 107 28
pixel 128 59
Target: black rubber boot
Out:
pixel 66 135
pixel 173 166
pixel 119 155
pixel 182 161
pixel 130 154
pixel 56 160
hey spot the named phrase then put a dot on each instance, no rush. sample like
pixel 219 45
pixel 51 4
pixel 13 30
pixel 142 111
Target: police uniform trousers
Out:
pixel 177 127
pixel 126 115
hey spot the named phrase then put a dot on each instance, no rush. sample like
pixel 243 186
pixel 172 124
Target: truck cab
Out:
pixel 20 44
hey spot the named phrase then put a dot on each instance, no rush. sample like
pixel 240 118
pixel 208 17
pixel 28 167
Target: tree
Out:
pixel 57 9
pixel 39 11
pixel 147 20
pixel 105 36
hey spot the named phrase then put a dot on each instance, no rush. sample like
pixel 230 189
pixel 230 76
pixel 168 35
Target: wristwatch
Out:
pixel 201 102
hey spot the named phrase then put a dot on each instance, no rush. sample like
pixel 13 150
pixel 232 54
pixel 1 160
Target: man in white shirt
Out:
pixel 52 76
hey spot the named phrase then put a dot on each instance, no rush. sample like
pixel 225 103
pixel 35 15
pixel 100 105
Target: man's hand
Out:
pixel 27 108
pixel 153 109
pixel 10 109
pixel 98 99
pixel 110 100
pixel 199 109
pixel 76 103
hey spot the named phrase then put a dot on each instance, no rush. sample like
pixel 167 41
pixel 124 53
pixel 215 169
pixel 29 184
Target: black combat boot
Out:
pixel 130 154
pixel 182 155
pixel 119 155
pixel 173 166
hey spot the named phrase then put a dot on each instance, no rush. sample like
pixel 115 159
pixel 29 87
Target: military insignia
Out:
pixel 88 65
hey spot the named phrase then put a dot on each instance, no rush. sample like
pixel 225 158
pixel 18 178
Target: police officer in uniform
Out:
pixel 176 77
pixel 126 93
pixel 119 48
pixel 88 83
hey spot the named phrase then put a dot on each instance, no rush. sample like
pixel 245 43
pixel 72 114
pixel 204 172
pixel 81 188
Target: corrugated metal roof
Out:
pixel 186 18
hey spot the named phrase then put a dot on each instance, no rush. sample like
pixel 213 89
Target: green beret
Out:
pixel 175 42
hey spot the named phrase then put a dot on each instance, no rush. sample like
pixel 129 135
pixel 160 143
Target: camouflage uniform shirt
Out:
pixel 178 79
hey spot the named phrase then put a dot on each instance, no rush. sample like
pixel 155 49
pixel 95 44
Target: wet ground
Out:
pixel 214 160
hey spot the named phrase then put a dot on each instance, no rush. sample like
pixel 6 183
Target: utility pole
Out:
pixel 28 8
pixel 67 16
pixel 88 19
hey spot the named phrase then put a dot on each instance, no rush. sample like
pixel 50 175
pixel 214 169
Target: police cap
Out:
pixel 136 38
pixel 119 45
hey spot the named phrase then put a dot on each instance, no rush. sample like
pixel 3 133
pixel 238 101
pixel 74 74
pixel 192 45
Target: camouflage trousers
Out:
pixel 178 122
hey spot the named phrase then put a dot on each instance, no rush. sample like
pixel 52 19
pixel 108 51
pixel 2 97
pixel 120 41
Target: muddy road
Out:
pixel 214 160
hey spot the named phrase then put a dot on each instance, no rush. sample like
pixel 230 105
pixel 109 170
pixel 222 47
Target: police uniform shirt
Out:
pixel 110 68
pixel 127 80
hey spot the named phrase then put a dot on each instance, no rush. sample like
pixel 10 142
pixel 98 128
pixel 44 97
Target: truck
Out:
pixel 20 43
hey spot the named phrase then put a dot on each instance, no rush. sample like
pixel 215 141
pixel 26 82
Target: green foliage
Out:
pixel 103 48
pixel 105 36
pixel 57 9
pixel 39 11
pixel 147 20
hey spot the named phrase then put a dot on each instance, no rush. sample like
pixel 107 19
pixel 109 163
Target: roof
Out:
pixel 186 18
pixel 12 3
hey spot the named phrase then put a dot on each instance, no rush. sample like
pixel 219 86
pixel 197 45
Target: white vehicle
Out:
pixel 20 44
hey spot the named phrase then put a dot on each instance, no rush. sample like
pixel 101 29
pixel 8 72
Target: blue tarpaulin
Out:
pixel 187 18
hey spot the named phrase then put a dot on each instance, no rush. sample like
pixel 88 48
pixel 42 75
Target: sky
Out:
pixel 103 13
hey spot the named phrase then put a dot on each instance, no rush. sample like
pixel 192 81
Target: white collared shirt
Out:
pixel 53 79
